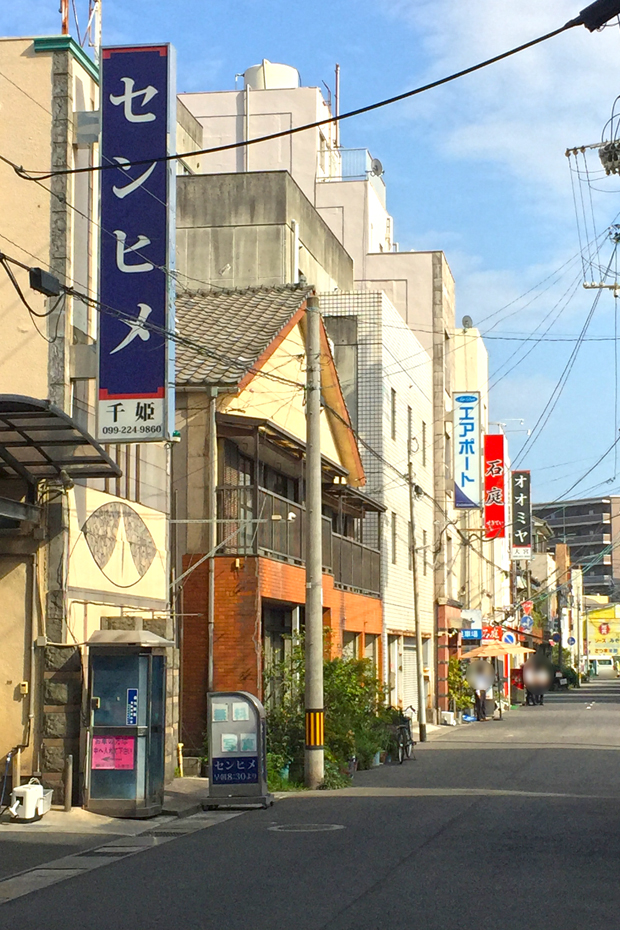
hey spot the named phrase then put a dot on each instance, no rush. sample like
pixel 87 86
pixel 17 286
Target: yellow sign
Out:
pixel 603 631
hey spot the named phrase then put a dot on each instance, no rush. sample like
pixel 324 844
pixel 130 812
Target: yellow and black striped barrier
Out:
pixel 315 729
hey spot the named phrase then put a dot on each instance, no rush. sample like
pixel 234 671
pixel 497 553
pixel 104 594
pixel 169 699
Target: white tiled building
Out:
pixel 387 379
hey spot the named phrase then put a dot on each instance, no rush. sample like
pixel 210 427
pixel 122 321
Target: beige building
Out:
pixel 84 529
pixel 484 565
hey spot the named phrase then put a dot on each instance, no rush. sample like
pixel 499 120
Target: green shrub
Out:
pixel 356 720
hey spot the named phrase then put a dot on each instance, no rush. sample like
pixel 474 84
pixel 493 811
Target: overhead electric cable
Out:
pixel 584 18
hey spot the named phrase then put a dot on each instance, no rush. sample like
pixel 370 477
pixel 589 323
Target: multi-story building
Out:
pixel 347 190
pixel 83 528
pixel 390 401
pixel 589 526
pixel 241 462
pixel 484 571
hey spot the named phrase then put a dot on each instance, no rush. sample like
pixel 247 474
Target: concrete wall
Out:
pixel 232 116
pixel 236 230
pixel 355 214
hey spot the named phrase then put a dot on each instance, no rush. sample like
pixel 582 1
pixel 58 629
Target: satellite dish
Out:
pixel 467 322
pixel 376 167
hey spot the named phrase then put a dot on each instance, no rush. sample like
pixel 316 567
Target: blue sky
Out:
pixel 476 168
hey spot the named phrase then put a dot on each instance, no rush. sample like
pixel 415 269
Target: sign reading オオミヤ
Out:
pixel 137 244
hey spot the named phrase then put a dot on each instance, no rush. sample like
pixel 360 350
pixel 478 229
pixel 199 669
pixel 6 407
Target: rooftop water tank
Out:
pixel 271 76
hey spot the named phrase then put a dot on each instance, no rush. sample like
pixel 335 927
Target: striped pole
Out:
pixel 315 729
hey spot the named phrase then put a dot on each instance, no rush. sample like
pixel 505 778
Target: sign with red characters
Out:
pixel 494 487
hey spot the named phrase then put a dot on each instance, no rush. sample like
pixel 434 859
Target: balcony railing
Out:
pixel 277 530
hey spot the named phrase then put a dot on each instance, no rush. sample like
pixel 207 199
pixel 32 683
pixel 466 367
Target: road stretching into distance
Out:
pixel 512 825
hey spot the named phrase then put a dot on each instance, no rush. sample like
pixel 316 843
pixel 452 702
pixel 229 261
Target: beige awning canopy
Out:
pixel 495 650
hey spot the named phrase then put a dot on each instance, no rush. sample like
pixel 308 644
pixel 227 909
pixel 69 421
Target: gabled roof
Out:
pixel 224 333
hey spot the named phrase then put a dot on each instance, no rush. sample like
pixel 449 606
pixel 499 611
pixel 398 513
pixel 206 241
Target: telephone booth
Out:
pixel 125 749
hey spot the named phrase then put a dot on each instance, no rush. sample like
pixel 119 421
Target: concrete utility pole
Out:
pixel 211 526
pixel 314 754
pixel 562 560
pixel 421 708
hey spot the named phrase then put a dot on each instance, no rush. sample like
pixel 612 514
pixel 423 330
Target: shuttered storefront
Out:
pixel 410 673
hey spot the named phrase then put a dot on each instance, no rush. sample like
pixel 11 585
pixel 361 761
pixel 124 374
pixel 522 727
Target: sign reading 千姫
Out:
pixel 136 292
pixel 521 516
pixel 494 487
pixel 467 450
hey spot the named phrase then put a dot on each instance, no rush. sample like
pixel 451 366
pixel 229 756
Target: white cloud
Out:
pixel 521 113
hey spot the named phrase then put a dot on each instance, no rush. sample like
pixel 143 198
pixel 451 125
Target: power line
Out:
pixel 314 125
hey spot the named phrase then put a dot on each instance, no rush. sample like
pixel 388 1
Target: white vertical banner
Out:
pixel 467 450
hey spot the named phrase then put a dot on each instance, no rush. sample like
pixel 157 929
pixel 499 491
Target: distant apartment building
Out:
pixel 590 527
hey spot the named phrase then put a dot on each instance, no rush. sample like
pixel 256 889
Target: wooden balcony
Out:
pixel 259 522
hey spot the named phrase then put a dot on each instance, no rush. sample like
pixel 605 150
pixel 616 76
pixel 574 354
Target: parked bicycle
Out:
pixel 405 741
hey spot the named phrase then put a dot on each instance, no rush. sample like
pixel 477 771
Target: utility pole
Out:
pixel 211 526
pixel 416 610
pixel 314 754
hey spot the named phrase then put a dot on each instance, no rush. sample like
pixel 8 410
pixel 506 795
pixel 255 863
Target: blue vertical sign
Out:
pixel 136 368
pixel 467 451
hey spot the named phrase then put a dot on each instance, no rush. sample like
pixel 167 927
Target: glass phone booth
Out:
pixel 127 701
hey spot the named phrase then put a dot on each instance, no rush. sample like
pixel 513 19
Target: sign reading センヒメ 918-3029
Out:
pixel 137 244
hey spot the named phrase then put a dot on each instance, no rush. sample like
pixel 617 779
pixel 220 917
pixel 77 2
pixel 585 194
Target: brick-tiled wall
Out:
pixel 241 584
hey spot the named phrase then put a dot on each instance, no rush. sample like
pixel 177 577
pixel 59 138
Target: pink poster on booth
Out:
pixel 113 752
pixel 103 752
pixel 124 752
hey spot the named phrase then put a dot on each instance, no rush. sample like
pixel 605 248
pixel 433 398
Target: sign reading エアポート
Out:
pixel 467 450
pixel 136 259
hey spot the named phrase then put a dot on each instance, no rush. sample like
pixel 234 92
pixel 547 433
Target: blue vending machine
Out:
pixel 125 753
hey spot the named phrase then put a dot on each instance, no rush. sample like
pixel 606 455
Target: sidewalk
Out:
pixel 182 798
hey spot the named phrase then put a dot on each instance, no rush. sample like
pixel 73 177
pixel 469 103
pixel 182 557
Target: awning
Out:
pixel 38 441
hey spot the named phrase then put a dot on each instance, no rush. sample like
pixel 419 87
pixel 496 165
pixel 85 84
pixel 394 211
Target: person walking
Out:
pixel 480 704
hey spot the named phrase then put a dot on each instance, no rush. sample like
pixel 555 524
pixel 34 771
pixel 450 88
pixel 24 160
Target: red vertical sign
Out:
pixel 494 487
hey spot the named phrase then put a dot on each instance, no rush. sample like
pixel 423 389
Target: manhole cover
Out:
pixel 306 827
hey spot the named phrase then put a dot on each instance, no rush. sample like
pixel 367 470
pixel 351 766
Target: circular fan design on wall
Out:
pixel 120 542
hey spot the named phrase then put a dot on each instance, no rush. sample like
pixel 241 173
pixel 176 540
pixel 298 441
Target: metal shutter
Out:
pixel 410 673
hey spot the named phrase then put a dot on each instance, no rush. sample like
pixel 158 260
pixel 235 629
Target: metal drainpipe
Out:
pixel 246 124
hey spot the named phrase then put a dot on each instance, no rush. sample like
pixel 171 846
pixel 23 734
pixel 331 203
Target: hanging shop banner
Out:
pixel 136 258
pixel 494 487
pixel 521 516
pixel 467 450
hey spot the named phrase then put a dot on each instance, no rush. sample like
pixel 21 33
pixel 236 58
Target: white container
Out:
pixel 29 802
pixel 270 75
pixel 447 718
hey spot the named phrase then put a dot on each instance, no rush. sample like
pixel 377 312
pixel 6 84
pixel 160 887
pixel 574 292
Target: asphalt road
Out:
pixel 512 825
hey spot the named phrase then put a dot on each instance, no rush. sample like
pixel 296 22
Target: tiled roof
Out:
pixel 224 333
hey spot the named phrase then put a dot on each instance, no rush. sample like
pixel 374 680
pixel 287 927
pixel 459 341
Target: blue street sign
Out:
pixel 526 624
pixel 509 638
pixel 571 640
pixel 132 707
pixel 556 637
pixel 137 244
pixel 471 634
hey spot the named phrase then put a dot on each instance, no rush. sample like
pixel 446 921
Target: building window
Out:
pixel 393 412
pixel 425 549
pixel 424 444
pixel 393 539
